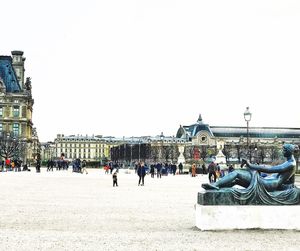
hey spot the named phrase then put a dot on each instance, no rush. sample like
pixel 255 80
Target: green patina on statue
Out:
pixel 275 189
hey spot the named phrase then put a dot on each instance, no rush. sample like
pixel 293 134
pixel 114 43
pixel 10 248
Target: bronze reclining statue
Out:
pixel 275 189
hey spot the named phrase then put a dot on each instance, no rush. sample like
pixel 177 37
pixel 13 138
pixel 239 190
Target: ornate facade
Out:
pixel 16 104
pixel 91 148
pixel 196 142
pixel 200 141
pixel 263 143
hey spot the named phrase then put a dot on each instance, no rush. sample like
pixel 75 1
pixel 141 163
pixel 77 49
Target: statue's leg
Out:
pixel 237 177
pixel 227 181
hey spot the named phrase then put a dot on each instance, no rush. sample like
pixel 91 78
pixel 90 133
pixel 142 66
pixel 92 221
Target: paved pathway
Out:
pixel 71 211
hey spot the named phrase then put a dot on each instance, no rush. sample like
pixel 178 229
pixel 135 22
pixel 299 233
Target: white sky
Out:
pixel 136 67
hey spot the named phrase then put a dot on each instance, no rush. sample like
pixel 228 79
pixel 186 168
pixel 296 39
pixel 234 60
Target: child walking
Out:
pixel 115 178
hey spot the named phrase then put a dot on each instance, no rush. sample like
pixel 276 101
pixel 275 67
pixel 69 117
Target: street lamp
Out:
pixel 162 136
pixel 247 117
pixel 139 150
pixel 131 151
pixel 125 146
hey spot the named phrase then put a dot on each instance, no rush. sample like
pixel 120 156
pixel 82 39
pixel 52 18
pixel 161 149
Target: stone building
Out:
pixel 201 142
pixel 16 104
pixel 193 143
pixel 90 148
pixel 259 144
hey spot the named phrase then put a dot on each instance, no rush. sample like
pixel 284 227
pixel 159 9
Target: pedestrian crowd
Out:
pixel 11 165
pixel 142 169
pixel 213 170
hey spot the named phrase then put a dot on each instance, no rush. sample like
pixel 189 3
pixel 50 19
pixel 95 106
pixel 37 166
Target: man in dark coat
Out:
pixel 212 172
pixel 141 171
pixel 180 166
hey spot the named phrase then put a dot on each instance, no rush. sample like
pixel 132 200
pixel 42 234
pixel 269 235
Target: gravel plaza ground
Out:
pixel 62 210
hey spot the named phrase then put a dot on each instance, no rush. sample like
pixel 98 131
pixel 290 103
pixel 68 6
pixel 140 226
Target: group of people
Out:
pixel 12 165
pixel 140 170
pixel 111 167
pixel 60 164
pixel 215 172
pixel 282 176
pixel 159 169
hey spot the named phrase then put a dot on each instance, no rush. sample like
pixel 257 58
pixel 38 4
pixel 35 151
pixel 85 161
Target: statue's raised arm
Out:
pixel 288 166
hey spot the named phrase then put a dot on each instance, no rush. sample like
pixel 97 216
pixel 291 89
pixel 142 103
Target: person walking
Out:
pixel 180 166
pixel 158 170
pixel 106 168
pixel 7 164
pixel 12 165
pixel 141 173
pixel 203 168
pixel 51 165
pixel 115 178
pixel 218 171
pixel 194 170
pixel 48 165
pixel 38 165
pixel 174 168
pixel 152 171
pixel 84 167
pixel 212 172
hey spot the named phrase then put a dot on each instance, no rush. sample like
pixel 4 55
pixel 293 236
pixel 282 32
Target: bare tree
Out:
pixel 212 151
pixel 154 154
pixel 174 153
pixel 262 153
pixel 188 153
pixel 203 152
pixel 227 151
pixel 11 147
pixel 274 152
pixel 167 153
pixel 239 152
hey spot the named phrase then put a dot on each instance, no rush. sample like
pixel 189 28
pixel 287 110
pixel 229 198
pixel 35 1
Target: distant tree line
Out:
pixel 264 153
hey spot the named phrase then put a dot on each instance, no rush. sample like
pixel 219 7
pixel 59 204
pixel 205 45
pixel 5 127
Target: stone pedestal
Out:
pixel 231 217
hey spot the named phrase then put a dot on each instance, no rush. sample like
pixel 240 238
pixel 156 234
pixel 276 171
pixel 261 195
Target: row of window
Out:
pixel 16 111
pixel 75 156
pixel 87 139
pixel 80 145
pixel 83 150
pixel 16 129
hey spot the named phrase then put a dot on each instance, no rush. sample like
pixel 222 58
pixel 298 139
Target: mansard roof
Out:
pixel 192 130
pixel 8 75
pixel 256 132
pixel 188 132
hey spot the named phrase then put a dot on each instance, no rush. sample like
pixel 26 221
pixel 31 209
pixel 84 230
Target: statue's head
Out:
pixel 288 149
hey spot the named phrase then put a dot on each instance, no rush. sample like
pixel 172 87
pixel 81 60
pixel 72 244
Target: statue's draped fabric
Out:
pixel 256 193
